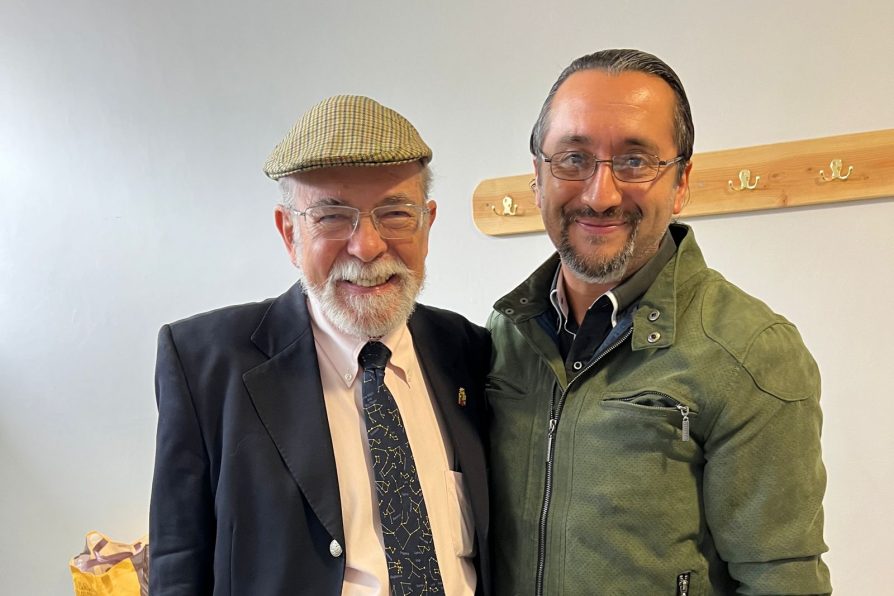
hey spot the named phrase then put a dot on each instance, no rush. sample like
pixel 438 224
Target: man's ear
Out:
pixel 432 211
pixel 682 191
pixel 535 185
pixel 286 229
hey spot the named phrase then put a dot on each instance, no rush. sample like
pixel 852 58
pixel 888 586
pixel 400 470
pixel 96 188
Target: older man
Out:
pixel 326 441
pixel 656 430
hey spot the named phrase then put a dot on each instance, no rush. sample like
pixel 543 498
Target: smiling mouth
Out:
pixel 370 282
pixel 614 217
pixel 600 223
pixel 601 226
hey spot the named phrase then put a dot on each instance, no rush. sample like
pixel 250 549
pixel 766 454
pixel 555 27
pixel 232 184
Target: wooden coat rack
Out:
pixel 826 170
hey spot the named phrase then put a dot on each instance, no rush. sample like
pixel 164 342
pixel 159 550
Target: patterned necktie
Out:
pixel 409 548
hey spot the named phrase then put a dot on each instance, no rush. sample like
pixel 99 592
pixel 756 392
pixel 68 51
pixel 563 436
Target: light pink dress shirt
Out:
pixel 449 511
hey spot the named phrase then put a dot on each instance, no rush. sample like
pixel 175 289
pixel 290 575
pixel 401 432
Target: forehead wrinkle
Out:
pixel 632 142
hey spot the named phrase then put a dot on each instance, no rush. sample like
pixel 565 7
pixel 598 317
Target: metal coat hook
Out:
pixel 835 166
pixel 744 181
pixel 510 207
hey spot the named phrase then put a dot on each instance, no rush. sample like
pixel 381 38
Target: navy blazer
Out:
pixel 245 496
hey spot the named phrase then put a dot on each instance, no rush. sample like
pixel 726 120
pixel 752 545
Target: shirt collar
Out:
pixel 342 349
pixel 560 302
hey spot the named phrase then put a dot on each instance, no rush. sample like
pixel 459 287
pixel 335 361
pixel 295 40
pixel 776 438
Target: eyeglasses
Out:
pixel 627 167
pixel 339 222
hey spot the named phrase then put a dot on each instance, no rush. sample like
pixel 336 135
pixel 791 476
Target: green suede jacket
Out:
pixel 684 458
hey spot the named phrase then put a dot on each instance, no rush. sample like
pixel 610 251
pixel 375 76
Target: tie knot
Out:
pixel 374 354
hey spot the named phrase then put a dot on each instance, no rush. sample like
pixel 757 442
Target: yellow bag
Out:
pixel 109 568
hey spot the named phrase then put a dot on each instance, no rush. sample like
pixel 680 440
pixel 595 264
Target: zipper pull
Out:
pixel 683 584
pixel 684 411
pixel 549 439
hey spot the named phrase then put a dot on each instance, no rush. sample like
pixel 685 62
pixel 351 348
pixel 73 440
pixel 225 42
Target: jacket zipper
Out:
pixel 684 410
pixel 683 583
pixel 555 412
pixel 684 428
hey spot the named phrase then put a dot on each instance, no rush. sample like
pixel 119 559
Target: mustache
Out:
pixel 354 270
pixel 611 214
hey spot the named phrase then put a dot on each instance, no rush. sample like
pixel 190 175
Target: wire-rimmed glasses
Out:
pixel 339 222
pixel 627 167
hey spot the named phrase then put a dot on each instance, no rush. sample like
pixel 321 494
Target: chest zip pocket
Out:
pixel 660 401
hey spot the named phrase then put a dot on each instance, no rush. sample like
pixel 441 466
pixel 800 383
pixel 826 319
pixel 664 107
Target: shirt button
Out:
pixel 578 365
pixel 653 316
pixel 348 376
pixel 335 548
pixel 653 337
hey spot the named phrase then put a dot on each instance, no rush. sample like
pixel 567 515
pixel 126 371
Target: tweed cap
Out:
pixel 346 130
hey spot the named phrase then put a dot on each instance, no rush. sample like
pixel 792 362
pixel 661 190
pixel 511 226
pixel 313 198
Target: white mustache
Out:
pixel 367 274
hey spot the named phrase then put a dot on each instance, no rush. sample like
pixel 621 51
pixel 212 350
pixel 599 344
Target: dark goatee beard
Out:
pixel 590 268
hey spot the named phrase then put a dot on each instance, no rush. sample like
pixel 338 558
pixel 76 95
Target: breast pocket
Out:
pixel 462 528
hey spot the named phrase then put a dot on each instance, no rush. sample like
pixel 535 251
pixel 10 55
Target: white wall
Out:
pixel 131 141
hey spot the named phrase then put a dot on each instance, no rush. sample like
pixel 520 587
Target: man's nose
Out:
pixel 366 244
pixel 601 189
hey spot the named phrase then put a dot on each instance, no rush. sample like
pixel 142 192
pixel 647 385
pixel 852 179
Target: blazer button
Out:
pixel 335 549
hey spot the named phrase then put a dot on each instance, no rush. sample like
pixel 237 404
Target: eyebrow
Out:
pixel 398 199
pixel 575 140
pixel 639 143
pixel 324 202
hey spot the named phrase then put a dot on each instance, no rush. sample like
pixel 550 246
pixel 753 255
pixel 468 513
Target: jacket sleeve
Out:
pixel 764 477
pixel 181 518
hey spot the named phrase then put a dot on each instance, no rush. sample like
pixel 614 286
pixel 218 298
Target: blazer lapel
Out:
pixel 442 361
pixel 288 396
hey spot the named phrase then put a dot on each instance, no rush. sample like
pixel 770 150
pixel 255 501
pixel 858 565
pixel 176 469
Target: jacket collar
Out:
pixel 654 322
pixel 531 297
pixel 284 322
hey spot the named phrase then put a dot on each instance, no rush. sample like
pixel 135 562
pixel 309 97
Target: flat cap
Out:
pixel 346 130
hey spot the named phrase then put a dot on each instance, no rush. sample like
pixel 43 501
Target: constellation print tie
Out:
pixel 409 548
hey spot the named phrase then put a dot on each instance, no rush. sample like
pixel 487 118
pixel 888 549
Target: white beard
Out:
pixel 366 315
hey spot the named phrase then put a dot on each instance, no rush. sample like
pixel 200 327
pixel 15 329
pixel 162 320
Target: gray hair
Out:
pixel 287 186
pixel 615 62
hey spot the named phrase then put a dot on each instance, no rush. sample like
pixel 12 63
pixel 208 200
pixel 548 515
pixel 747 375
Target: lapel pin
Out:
pixel 461 397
